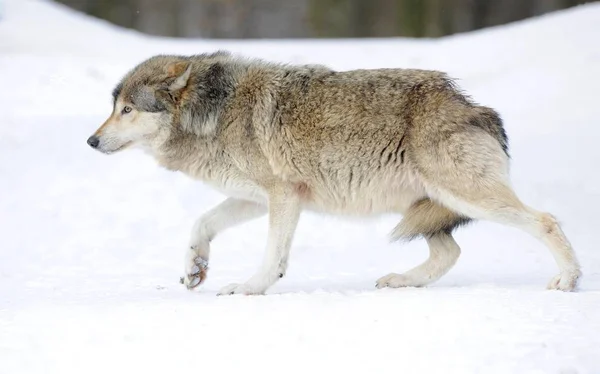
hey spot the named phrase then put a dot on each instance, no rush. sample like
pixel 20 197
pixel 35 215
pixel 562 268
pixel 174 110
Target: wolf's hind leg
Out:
pixel 468 173
pixel 498 203
pixel 229 213
pixel 443 254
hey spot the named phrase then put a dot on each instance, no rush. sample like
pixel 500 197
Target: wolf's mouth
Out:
pixel 114 150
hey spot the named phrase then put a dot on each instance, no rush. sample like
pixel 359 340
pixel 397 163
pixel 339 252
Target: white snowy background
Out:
pixel 92 246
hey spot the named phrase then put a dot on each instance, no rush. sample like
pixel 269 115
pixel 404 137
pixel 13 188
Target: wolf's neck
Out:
pixel 190 154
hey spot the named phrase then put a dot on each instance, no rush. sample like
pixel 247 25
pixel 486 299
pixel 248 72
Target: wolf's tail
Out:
pixel 426 218
pixel 490 121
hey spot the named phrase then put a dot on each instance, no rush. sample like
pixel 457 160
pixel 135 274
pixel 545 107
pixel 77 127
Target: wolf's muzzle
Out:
pixel 93 141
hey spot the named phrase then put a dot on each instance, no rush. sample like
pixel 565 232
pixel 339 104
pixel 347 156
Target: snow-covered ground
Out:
pixel 92 247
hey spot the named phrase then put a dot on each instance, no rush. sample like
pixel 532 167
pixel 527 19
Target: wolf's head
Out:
pixel 161 94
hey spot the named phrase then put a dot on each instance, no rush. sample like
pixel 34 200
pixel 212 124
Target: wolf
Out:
pixel 279 139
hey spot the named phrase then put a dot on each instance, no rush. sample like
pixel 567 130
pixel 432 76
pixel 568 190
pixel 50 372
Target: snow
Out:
pixel 92 247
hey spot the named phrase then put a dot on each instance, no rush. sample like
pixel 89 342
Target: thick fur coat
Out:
pixel 279 139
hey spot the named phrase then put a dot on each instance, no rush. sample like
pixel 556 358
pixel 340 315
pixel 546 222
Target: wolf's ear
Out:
pixel 181 72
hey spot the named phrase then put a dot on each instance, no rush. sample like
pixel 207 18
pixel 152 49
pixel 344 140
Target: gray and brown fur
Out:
pixel 290 138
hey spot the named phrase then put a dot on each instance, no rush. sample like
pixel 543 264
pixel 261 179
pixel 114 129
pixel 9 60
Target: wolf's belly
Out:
pixel 378 195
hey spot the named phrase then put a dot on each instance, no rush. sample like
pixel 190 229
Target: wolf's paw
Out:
pixel 394 280
pixel 241 289
pixel 256 285
pixel 565 281
pixel 196 268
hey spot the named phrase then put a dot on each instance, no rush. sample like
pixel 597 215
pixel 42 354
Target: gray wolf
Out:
pixel 279 139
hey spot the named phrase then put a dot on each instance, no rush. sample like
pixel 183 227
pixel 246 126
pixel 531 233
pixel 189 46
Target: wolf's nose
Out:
pixel 93 141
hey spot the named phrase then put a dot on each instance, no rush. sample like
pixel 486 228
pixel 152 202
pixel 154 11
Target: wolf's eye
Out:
pixel 126 109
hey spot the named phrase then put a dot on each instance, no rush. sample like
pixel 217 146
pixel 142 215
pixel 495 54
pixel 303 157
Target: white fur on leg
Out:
pixel 504 207
pixel 552 235
pixel 443 254
pixel 284 213
pixel 229 213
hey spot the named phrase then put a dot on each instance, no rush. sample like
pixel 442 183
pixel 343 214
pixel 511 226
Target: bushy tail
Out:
pixel 426 218
pixel 489 120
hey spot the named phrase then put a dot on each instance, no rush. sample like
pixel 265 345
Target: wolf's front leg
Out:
pixel 229 213
pixel 284 212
